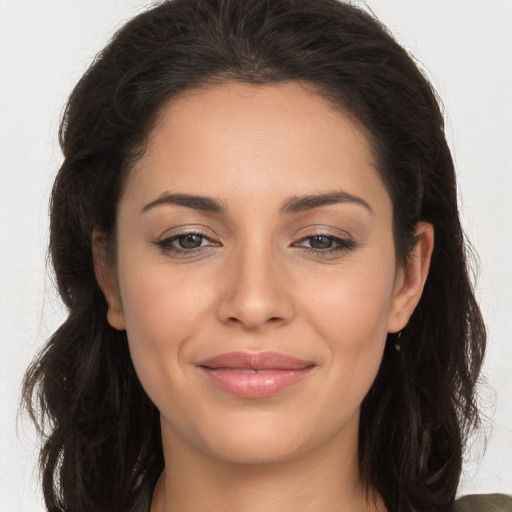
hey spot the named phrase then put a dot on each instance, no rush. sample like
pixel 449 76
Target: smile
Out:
pixel 258 375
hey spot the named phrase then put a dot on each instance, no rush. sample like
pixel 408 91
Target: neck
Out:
pixel 325 480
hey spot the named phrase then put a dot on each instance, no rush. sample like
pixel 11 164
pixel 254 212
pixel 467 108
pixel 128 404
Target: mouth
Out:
pixel 257 375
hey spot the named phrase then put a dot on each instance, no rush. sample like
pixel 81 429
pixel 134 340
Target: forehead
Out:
pixel 269 113
pixel 265 140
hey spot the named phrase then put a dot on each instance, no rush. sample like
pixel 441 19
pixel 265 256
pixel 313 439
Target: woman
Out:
pixel 255 230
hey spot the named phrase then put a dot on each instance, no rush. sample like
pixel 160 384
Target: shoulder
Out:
pixel 484 503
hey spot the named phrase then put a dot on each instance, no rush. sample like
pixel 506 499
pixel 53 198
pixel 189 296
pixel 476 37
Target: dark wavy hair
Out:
pixel 102 447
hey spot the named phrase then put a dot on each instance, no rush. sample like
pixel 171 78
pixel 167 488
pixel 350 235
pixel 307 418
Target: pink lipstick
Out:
pixel 254 375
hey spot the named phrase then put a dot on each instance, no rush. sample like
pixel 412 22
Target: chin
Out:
pixel 267 440
pixel 254 450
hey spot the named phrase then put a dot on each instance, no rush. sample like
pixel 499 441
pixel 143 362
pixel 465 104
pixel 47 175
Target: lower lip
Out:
pixel 254 385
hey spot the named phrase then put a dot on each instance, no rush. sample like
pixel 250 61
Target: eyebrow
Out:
pixel 297 204
pixel 294 204
pixel 203 203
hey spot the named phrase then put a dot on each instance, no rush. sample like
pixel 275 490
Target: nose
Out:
pixel 257 291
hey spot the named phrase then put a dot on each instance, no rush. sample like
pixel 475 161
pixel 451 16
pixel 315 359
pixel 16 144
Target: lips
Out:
pixel 254 375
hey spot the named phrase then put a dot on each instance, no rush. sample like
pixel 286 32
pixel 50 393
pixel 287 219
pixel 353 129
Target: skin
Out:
pixel 256 284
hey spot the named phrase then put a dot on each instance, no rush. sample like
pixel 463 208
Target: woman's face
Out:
pixel 256 274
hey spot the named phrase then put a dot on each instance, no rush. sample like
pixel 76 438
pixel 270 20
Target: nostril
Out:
pixel 234 319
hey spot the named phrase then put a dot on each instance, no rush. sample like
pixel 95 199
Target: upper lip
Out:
pixel 255 361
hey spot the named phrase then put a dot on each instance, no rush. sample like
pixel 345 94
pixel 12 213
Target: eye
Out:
pixel 322 245
pixel 321 242
pixel 189 241
pixel 185 243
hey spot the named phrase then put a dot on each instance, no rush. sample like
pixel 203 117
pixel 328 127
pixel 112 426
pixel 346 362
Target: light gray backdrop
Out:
pixel 466 48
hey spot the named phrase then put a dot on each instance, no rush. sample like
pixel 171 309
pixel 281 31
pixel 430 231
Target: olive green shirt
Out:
pixel 484 503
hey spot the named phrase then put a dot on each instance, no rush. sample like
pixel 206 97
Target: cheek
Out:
pixel 351 315
pixel 162 312
pixel 153 303
pixel 351 305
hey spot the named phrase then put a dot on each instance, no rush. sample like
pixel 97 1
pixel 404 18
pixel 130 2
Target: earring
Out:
pixel 398 347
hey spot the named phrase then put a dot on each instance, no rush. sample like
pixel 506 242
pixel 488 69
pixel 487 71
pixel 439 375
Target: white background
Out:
pixel 466 46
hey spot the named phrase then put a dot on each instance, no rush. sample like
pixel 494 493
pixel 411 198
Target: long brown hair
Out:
pixel 102 449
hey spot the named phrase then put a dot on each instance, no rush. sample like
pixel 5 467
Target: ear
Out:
pixel 411 278
pixel 107 280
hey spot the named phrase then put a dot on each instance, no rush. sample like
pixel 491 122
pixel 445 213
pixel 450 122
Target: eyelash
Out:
pixel 342 244
pixel 166 244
